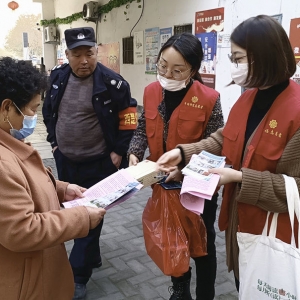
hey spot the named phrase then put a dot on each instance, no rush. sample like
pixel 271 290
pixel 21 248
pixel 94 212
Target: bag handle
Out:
pixel 293 202
pixel 290 197
pixel 273 227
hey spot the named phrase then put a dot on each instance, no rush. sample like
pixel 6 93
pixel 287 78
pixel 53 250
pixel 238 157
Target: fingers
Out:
pixel 214 171
pixel 165 168
pixel 171 158
pixel 54 148
pixel 171 177
pixel 102 211
pixel 162 160
pixel 96 215
pixel 116 159
pixel 78 193
pixel 133 160
pixel 117 164
pixel 79 190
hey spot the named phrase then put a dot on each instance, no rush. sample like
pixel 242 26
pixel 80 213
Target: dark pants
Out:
pixel 206 266
pixel 237 284
pixel 86 251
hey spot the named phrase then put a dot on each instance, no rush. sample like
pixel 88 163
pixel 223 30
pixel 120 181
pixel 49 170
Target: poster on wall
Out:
pixel 109 56
pixel 138 47
pixel 208 65
pixel 152 48
pixel 295 43
pixel 209 20
pixel 61 52
pixel 165 34
pixel 223 40
pixel 208 24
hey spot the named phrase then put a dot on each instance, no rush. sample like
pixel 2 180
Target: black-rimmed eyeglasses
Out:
pixel 162 70
pixel 235 60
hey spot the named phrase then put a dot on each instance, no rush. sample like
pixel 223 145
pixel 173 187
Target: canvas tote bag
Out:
pixel 270 268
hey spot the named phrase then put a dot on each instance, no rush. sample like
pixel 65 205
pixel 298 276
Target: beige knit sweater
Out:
pixel 263 189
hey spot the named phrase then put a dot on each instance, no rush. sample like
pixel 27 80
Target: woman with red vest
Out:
pixel 178 108
pixel 261 137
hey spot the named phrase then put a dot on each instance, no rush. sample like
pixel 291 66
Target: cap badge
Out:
pixel 113 82
pixel 80 36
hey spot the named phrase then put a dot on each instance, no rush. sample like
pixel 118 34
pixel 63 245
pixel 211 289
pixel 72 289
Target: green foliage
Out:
pixel 66 20
pixel 104 9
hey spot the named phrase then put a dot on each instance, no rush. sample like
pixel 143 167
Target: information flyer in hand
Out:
pixel 197 186
pixel 110 191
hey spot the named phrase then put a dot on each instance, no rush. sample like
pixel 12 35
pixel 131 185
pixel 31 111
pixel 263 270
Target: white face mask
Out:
pixel 171 84
pixel 239 73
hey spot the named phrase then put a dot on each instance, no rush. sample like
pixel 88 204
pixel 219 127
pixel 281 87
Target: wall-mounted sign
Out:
pixel 138 47
pixel 109 56
pixel 152 48
pixel 165 34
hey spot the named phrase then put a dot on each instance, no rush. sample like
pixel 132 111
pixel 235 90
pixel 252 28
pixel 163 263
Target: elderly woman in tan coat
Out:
pixel 33 258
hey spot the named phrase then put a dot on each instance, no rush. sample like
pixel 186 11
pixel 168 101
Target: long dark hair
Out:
pixel 270 55
pixel 189 47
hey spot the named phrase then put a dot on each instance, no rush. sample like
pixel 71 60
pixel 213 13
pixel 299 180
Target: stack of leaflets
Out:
pixel 108 192
pixel 197 186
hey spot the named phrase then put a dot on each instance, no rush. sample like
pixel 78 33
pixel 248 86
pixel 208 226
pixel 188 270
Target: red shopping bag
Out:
pixel 166 239
pixel 194 229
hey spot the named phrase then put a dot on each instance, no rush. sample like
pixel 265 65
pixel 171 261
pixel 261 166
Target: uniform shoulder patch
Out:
pixel 59 67
pixel 113 81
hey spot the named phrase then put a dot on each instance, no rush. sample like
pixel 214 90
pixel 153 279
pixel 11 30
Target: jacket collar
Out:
pixel 98 82
pixel 99 85
pixel 19 148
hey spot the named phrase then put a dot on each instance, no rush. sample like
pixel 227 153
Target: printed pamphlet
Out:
pixel 199 164
pixel 197 186
pixel 108 192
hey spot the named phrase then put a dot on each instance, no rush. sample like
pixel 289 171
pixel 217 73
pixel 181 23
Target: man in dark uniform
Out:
pixel 90 118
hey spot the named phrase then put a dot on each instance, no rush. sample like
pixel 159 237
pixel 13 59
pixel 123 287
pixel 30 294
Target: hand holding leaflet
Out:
pixel 199 164
pixel 196 186
pixel 110 191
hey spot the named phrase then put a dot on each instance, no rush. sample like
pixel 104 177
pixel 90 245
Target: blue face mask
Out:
pixel 29 124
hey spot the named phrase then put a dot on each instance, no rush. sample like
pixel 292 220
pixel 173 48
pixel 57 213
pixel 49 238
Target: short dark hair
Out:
pixel 189 47
pixel 20 81
pixel 270 56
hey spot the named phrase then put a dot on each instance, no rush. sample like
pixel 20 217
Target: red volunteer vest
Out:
pixel 262 154
pixel 187 122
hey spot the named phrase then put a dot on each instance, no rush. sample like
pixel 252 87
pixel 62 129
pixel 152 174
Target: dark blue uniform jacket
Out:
pixel 111 95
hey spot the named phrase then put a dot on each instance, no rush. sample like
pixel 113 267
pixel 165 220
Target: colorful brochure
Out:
pixel 197 186
pixel 108 192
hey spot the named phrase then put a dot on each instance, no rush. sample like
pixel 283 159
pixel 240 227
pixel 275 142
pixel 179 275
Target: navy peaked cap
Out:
pixel 83 36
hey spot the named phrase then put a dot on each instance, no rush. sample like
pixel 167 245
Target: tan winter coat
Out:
pixel 33 259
